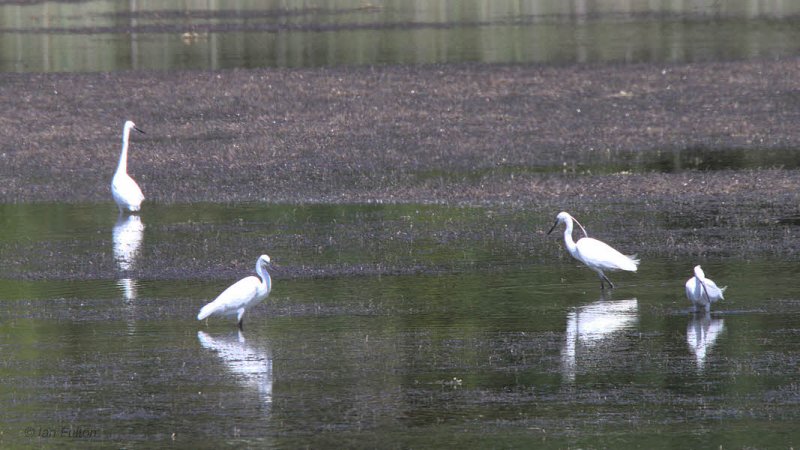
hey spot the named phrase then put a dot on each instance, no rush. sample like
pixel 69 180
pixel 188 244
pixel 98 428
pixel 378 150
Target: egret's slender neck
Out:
pixel 122 167
pixel 701 280
pixel 699 274
pixel 266 280
pixel 568 242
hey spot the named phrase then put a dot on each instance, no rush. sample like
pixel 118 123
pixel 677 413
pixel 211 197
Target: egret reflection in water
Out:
pixel 701 333
pixel 594 332
pixel 252 366
pixel 127 238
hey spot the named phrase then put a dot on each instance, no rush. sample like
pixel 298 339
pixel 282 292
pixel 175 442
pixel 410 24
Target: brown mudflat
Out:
pixel 577 137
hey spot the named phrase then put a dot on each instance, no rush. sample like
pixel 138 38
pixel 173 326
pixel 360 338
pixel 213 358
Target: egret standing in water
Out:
pixel 125 191
pixel 241 295
pixel 597 255
pixel 701 291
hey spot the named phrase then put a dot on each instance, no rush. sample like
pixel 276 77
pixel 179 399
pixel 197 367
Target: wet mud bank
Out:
pixel 709 143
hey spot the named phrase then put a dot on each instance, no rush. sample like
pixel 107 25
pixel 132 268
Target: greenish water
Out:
pixel 104 35
pixel 388 326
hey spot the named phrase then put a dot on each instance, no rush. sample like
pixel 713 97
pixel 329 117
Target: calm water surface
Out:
pixel 503 348
pixel 390 326
pixel 105 35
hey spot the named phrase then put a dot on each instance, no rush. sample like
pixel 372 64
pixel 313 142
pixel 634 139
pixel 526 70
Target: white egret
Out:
pixel 124 189
pixel 241 295
pixel 596 255
pixel 701 291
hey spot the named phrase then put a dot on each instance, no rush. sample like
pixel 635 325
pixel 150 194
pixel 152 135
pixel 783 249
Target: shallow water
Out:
pixel 103 35
pixel 422 335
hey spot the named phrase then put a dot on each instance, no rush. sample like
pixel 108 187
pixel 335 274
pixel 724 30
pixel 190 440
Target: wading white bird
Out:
pixel 125 191
pixel 701 291
pixel 242 295
pixel 597 255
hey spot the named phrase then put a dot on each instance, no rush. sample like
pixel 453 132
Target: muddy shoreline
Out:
pixel 716 139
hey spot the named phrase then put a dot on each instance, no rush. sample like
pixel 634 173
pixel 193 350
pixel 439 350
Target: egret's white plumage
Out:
pixel 241 295
pixel 701 291
pixel 124 189
pixel 596 255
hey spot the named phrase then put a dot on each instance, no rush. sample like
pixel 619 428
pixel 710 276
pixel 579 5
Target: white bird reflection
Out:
pixel 701 333
pixel 591 331
pixel 127 237
pixel 252 366
pixel 129 287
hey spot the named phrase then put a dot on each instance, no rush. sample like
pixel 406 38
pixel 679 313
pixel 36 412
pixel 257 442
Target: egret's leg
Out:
pixel 240 319
pixel 603 277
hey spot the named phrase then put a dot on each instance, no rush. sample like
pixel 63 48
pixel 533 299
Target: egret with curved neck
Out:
pixel 123 188
pixel 242 295
pixel 596 255
pixel 702 291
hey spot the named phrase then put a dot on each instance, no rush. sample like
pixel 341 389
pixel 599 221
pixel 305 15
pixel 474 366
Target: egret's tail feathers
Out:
pixel 205 311
pixel 634 263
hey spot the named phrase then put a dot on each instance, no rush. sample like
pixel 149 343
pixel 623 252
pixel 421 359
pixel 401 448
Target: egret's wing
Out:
pixel 713 290
pixel 603 256
pixel 231 299
pixel 694 291
pixel 124 187
pixel 690 287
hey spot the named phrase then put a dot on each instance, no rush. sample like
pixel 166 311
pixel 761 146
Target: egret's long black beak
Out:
pixel 708 297
pixel 139 130
pixel 553 227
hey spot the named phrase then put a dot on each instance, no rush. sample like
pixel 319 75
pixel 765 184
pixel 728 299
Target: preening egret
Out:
pixel 701 291
pixel 597 255
pixel 125 191
pixel 241 295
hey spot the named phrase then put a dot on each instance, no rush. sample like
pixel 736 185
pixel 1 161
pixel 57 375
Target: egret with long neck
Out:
pixel 702 291
pixel 596 255
pixel 242 295
pixel 123 188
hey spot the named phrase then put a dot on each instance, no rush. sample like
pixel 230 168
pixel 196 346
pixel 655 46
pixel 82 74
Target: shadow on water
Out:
pixel 707 159
pixel 700 159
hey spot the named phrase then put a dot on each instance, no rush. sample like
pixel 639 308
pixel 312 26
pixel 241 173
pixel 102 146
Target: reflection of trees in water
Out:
pixel 593 332
pixel 547 29
pixel 251 366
